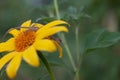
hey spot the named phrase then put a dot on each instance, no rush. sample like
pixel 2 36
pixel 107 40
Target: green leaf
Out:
pixel 99 39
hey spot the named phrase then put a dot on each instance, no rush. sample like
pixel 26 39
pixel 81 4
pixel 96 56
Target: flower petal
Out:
pixel 7 46
pixel 51 31
pixel 6 58
pixel 25 24
pixel 13 66
pixel 37 25
pixel 52 24
pixel 14 32
pixel 45 45
pixel 60 49
pixel 31 57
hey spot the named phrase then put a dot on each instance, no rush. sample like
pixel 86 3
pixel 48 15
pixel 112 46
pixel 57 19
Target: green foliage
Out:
pixel 99 39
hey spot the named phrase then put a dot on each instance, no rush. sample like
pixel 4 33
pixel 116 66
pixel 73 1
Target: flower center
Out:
pixel 24 40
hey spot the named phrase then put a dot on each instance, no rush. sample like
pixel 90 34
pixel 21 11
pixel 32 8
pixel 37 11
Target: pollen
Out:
pixel 24 40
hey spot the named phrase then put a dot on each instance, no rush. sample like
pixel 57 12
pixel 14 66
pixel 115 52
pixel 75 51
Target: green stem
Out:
pixel 46 65
pixel 63 38
pixel 2 75
pixel 68 52
pixel 77 43
pixel 56 9
pixel 77 75
pixel 77 51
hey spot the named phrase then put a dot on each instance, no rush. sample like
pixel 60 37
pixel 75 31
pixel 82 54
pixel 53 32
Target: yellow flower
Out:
pixel 26 41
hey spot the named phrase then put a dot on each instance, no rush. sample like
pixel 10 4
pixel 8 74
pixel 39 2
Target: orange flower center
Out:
pixel 24 40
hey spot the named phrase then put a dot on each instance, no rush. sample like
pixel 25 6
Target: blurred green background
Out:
pixel 85 15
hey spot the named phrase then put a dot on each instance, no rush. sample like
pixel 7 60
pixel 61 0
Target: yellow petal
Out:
pixel 13 66
pixel 25 24
pixel 45 45
pixel 51 31
pixel 31 57
pixel 60 49
pixel 52 24
pixel 6 58
pixel 7 46
pixel 14 32
pixel 37 25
